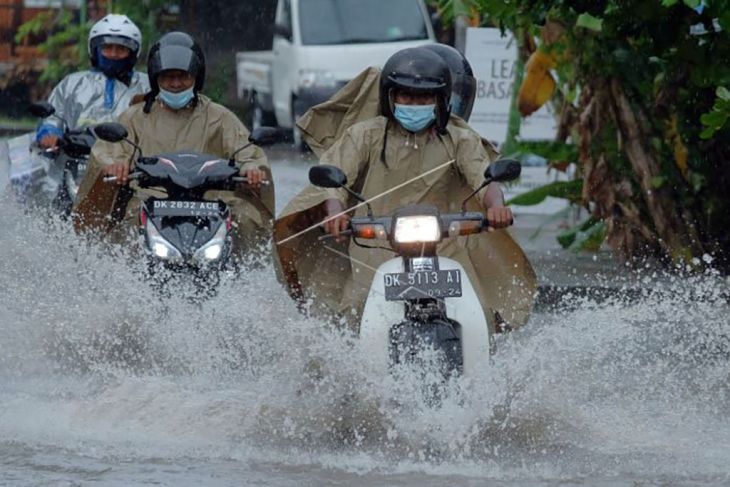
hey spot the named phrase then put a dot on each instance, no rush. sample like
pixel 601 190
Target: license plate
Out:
pixel 422 284
pixel 185 208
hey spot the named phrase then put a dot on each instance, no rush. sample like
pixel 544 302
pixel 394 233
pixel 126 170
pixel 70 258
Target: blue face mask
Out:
pixel 115 68
pixel 415 118
pixel 176 101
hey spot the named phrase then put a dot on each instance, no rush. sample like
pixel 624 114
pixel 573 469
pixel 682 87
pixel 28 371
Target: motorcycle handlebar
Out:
pixel 452 225
pixel 137 174
pixel 244 179
pixel 131 176
pixel 329 236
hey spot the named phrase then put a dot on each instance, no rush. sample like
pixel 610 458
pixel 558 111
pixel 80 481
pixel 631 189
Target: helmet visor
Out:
pixel 417 83
pixel 130 44
pixel 462 96
pixel 178 57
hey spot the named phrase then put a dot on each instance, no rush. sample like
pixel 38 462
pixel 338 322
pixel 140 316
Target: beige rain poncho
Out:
pixel 337 276
pixel 207 128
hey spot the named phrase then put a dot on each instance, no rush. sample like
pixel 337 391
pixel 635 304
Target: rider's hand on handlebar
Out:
pixel 254 176
pixel 339 224
pixel 120 170
pixel 499 217
pixel 48 141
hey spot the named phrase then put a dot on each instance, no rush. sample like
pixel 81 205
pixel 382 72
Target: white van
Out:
pixel 319 45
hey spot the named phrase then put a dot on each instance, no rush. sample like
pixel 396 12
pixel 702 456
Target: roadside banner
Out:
pixel 493 59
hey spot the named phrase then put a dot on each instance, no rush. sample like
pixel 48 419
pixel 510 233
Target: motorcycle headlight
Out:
pixel 163 250
pixel 309 78
pixel 411 229
pixel 213 248
pixel 212 252
pixel 158 245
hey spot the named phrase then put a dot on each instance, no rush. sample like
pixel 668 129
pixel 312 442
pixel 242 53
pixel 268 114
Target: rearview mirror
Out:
pixel 326 176
pixel 503 170
pixel 110 131
pixel 41 109
pixel 283 30
pixel 264 135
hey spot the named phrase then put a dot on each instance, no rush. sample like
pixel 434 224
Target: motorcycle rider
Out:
pixel 413 134
pixel 175 116
pixel 105 91
pixel 463 82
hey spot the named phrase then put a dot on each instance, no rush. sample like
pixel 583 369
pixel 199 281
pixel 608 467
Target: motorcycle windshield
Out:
pixel 188 169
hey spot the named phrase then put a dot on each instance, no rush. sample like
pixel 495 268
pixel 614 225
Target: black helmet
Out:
pixel 421 71
pixel 176 50
pixel 463 82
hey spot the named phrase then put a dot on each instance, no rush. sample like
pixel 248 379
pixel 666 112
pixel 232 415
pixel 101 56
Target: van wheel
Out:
pixel 296 134
pixel 258 117
pixel 297 140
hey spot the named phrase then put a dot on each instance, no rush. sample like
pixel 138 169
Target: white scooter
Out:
pixel 419 300
pixel 66 164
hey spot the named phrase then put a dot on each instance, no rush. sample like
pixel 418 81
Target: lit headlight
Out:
pixel 309 78
pixel 213 248
pixel 162 250
pixel 213 252
pixel 159 246
pixel 410 229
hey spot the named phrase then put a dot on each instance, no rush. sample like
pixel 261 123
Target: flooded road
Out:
pixel 102 382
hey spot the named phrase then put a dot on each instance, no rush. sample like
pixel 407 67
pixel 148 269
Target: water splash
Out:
pixel 94 364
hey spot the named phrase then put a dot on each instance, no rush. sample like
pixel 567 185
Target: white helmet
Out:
pixel 114 29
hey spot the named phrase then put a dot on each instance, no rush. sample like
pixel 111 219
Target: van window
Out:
pixel 360 21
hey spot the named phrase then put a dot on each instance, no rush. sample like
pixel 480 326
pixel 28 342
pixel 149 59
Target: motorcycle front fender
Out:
pixel 379 316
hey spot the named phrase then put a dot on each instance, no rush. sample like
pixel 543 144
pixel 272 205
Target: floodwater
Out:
pixel 103 382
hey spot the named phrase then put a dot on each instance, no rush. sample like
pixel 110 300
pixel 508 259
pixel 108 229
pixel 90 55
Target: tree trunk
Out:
pixel 611 197
pixel 677 236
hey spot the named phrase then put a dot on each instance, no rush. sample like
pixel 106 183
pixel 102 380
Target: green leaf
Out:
pixel 724 20
pixel 657 182
pixel 33 27
pixel 723 93
pixel 669 3
pixel 590 238
pixel 550 150
pixel 570 190
pixel 715 118
pixel 692 3
pixel 707 133
pixel 568 237
pixel 589 22
pixel 563 214
pixel 451 9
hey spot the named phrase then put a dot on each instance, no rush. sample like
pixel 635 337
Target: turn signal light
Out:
pixel 371 231
pixel 464 227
